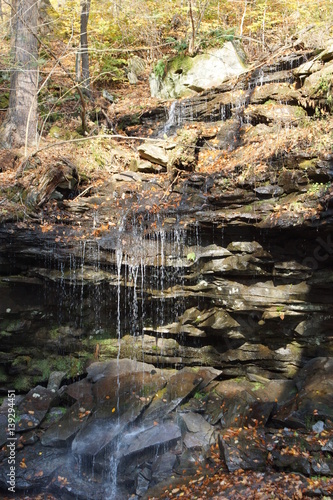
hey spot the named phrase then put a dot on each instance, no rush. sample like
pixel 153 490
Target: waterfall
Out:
pixel 172 120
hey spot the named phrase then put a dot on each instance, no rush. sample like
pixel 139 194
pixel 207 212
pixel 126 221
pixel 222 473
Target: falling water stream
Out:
pixel 141 266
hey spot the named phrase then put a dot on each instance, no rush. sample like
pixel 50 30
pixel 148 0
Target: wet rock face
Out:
pixel 241 300
pixel 149 424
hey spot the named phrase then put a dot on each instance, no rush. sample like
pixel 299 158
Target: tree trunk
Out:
pixel 20 126
pixel 85 9
pixel 192 35
pixel 45 11
pixel 195 23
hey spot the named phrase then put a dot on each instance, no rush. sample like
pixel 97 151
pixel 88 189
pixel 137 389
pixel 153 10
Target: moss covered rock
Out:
pixel 185 76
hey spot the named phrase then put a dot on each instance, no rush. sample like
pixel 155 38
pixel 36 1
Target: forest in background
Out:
pixel 152 30
pixel 81 90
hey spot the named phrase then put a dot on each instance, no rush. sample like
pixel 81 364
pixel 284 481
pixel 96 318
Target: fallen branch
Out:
pixel 83 192
pixel 95 137
pixel 108 121
pixel 169 188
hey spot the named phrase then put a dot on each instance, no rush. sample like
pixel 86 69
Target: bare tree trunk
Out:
pixel 45 10
pixel 195 24
pixel 243 19
pixel 20 126
pixel 192 36
pixel 85 9
pixel 78 64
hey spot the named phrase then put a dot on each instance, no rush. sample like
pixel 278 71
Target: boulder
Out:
pixel 279 92
pixel 162 467
pixel 318 84
pixel 119 400
pixel 35 467
pixel 62 432
pixel 135 67
pixel 198 433
pixel 272 112
pixel 185 76
pixel 315 382
pixel 286 460
pixel 183 155
pixel 180 387
pixel 58 182
pixel 153 153
pixel 244 449
pixel 55 380
pixel 99 436
pixel 143 443
pixel 33 408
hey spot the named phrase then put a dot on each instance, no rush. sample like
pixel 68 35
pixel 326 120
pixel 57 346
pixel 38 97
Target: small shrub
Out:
pixel 159 68
pixel 111 69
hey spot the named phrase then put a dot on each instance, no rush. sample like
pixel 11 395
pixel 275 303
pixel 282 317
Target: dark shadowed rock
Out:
pixel 315 383
pixel 244 449
pixel 96 438
pixel 328 446
pixel 322 466
pixel 180 386
pixel 143 441
pixel 198 433
pixel 275 391
pixel 67 484
pixel 288 461
pixel 110 390
pixel 162 467
pixel 38 465
pixel 63 431
pixel 119 401
pixel 142 481
pixel 188 462
pixel 81 392
pixel 53 415
pixel 33 408
pixel 207 374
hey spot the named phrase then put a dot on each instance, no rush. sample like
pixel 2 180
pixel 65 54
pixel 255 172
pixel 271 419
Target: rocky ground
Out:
pixel 171 434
